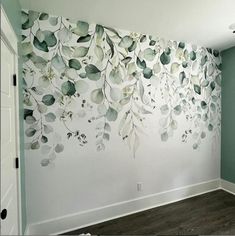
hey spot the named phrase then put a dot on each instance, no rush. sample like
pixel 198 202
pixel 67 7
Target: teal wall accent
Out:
pixel 228 115
pixel 13 11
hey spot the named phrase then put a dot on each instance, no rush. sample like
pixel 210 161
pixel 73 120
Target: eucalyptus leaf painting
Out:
pixel 114 80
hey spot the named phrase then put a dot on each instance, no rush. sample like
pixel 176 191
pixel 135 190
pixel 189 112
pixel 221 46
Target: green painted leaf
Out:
pixel 213 107
pixel 164 109
pixel 75 64
pixel 101 109
pixel 126 60
pixel 64 35
pixel 125 42
pixel 193 55
pixel 67 51
pixel 48 129
pixel 218 80
pixel 28 19
pixel 115 76
pixel 50 117
pixel 30 120
pixel 149 54
pixel 93 73
pixel 165 59
pixel 197 89
pixel 27 112
pixel 42 108
pixel 44 139
pixel 140 64
pixel 175 67
pixel 58 63
pixel 53 21
pixel 110 43
pixel 40 36
pixel 203 105
pixel 157 68
pixel 164 136
pixel 38 61
pixel 81 29
pixel 111 114
pixel 210 127
pixel 115 94
pixel 131 68
pixel 81 86
pixel 84 39
pixel 205 83
pixel 26 48
pixel 133 46
pixel 68 88
pixel 33 15
pixel 30 132
pixel 143 38
pixel 48 99
pixel 212 85
pixel 97 96
pixel 182 77
pixel 80 51
pixel 45 162
pixel 59 148
pixel 23 37
pixel 177 110
pixel 50 38
pixel 204 60
pixel 152 43
pixel 40 45
pixel 35 145
pixel 24 17
pixel 43 16
pixel 181 45
pixel 168 51
pixel 99 29
pixel 147 72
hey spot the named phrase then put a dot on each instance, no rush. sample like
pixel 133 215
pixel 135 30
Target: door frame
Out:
pixel 8 35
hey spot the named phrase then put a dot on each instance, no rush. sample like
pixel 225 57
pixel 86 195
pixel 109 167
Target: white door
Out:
pixel 9 175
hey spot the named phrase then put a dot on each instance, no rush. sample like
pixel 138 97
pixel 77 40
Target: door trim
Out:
pixel 9 37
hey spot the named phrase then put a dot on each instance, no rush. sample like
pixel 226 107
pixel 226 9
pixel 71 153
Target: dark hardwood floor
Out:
pixel 208 214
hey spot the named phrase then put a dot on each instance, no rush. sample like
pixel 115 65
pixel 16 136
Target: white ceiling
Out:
pixel 201 22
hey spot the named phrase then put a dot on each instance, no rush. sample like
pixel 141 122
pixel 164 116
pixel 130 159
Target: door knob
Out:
pixel 4 214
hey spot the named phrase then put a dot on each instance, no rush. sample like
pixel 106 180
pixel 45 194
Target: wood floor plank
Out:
pixel 208 214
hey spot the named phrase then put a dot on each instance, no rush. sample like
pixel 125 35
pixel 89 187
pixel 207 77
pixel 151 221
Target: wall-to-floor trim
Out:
pixel 227 186
pixel 98 215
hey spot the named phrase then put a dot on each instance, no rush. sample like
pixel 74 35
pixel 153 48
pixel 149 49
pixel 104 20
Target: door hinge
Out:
pixel 14 80
pixel 17 163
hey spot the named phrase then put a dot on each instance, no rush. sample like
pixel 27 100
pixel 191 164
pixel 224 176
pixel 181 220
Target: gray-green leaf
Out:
pixel 68 88
pixel 75 64
pixel 97 96
pixel 111 114
pixel 93 73
pixel 48 99
pixel 126 42
pixel 50 117
pixel 80 51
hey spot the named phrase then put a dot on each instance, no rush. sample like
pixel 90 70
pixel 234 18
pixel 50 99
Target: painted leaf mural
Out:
pixel 112 78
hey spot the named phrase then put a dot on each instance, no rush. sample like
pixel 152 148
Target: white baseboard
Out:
pixel 98 215
pixel 227 186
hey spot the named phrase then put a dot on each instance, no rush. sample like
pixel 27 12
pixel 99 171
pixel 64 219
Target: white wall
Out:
pixel 81 178
pixel 84 179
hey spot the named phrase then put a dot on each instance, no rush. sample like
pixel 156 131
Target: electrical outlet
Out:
pixel 139 186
